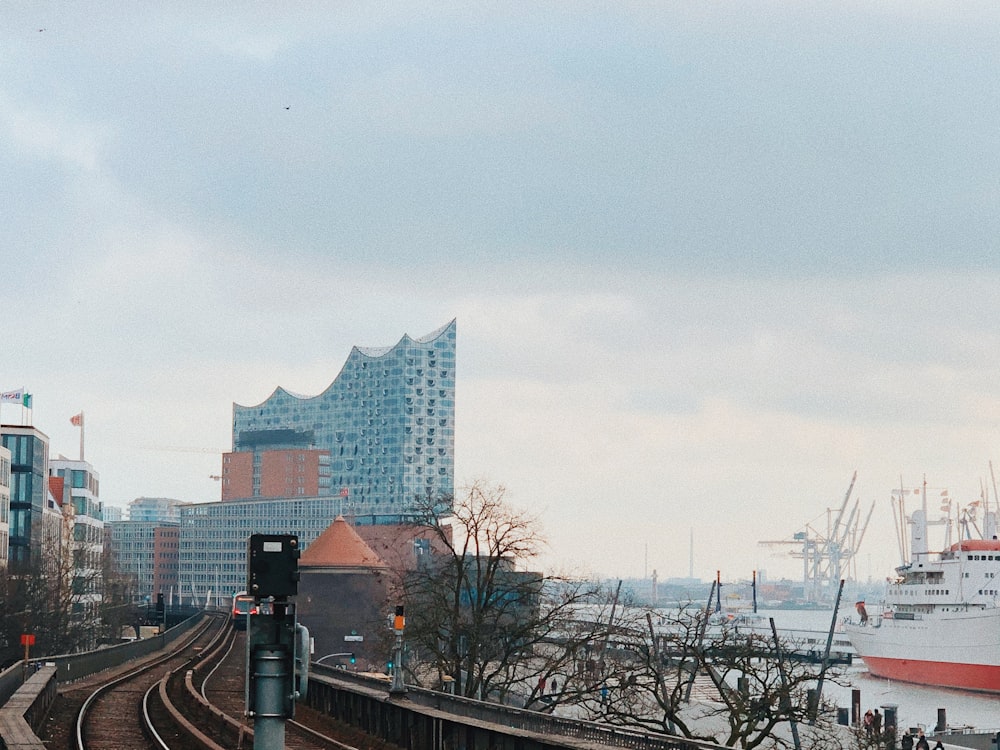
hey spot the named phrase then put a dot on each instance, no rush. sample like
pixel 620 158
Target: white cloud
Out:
pixel 705 262
pixel 51 136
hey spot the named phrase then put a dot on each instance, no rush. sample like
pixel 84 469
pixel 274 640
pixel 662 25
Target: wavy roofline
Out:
pixel 369 352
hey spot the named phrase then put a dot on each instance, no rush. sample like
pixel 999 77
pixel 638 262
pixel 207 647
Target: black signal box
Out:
pixel 273 565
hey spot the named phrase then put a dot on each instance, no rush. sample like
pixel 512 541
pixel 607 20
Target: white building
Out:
pixel 80 491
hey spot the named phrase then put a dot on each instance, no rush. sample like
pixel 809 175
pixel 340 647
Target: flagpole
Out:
pixel 81 436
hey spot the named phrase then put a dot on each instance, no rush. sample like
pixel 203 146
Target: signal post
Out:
pixel 277 655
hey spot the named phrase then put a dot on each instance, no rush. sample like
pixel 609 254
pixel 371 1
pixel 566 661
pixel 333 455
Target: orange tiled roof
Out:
pixel 57 487
pixel 340 547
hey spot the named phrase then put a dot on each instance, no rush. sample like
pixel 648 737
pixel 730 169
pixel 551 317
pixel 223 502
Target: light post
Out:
pixel 338 653
pixel 398 624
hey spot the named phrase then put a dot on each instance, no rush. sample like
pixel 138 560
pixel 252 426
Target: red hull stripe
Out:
pixel 939 673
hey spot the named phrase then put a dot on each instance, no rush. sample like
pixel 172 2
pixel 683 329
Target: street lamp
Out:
pixel 339 653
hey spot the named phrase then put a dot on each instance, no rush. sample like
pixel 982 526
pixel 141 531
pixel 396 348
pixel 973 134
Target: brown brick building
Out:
pixel 295 472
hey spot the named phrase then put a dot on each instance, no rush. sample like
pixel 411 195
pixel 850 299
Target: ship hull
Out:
pixel 982 677
pixel 945 649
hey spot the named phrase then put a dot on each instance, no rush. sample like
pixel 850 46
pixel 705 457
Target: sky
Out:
pixel 707 259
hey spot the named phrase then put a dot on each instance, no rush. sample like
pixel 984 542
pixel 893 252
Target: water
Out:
pixel 917 705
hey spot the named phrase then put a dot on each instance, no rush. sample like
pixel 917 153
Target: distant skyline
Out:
pixel 707 260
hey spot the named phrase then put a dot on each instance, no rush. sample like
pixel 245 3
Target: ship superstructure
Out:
pixel 940 621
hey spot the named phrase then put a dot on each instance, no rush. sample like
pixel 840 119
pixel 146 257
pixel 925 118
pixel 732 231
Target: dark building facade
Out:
pixel 29 477
pixel 343 599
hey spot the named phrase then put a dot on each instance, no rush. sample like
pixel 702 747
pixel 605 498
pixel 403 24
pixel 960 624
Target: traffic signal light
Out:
pixel 353 659
pixel 272 565
pixel 388 665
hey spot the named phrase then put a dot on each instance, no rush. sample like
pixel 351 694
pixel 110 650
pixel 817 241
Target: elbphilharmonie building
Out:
pixel 387 421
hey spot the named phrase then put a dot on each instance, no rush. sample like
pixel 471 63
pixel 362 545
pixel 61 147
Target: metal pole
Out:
pixel 658 666
pixel 270 665
pixel 398 686
pixel 784 685
pixel 826 654
pixel 702 626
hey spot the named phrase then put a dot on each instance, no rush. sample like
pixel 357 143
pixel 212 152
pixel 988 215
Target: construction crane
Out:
pixel 828 556
pixel 183 449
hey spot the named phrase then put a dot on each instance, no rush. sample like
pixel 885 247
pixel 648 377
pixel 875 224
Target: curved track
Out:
pixel 190 699
pixel 219 688
pixel 118 715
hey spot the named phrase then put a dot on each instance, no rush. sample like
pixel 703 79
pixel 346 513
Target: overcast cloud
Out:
pixel 707 259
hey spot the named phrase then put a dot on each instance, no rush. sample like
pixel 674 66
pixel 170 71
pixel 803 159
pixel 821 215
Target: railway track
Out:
pixel 120 713
pixel 218 686
pixel 190 699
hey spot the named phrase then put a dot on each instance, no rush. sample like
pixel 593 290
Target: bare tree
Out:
pixel 478 615
pixel 119 589
pixel 680 674
pixel 52 596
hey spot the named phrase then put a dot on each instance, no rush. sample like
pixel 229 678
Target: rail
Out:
pixel 509 718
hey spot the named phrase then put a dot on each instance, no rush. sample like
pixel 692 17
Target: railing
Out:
pixel 76 666
pixel 508 717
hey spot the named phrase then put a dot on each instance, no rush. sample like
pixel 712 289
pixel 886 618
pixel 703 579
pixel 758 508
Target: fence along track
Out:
pixel 103 719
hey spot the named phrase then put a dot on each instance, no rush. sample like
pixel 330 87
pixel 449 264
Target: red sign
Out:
pixel 27 639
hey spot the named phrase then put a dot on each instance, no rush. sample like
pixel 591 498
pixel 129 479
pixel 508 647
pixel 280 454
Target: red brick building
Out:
pixel 166 541
pixel 295 472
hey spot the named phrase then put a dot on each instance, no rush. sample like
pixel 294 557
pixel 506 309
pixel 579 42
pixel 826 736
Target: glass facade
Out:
pixel 29 471
pixel 155 509
pixel 387 420
pixel 212 550
pixel 134 545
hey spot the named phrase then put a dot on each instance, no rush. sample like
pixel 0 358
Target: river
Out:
pixel 917 705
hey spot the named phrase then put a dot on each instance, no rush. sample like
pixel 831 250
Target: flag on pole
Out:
pixel 77 420
pixel 12 397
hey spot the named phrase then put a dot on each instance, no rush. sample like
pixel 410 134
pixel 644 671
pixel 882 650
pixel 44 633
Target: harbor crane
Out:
pixel 828 556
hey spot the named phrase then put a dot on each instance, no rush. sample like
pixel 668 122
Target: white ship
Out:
pixel 940 622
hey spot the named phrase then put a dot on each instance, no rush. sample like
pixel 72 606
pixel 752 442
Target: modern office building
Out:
pixel 78 486
pixel 111 513
pixel 379 437
pixel 4 505
pixel 146 546
pixel 213 539
pixel 147 551
pixel 386 424
pixel 29 476
pixel 155 509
